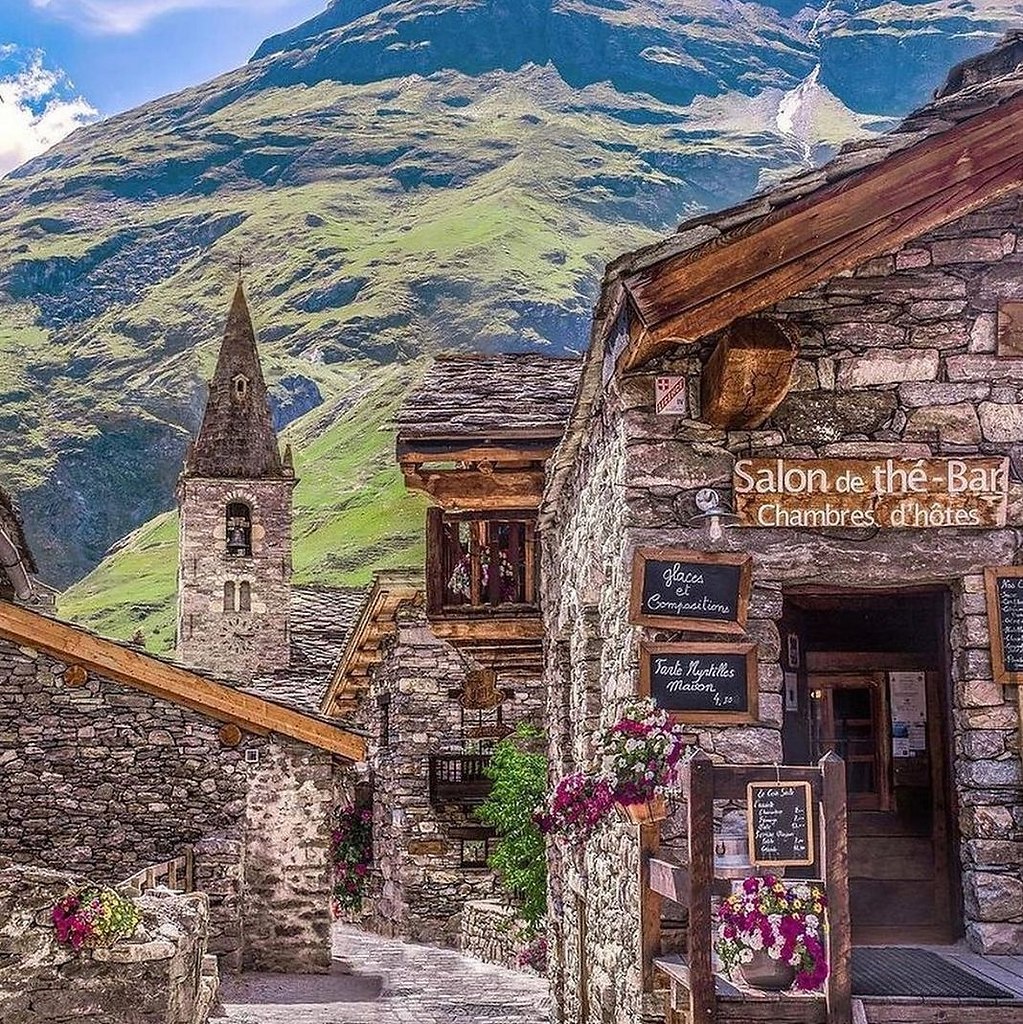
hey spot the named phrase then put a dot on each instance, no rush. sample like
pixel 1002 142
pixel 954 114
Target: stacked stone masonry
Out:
pixel 421 886
pixel 105 780
pixel 159 975
pixel 896 359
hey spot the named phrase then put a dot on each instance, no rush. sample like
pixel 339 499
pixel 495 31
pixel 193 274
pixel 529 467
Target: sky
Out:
pixel 64 63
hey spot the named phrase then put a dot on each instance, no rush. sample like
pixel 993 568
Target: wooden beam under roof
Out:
pixel 224 703
pixel 474 490
pixel 833 229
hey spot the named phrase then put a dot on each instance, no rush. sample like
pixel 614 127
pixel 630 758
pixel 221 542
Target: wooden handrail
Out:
pixel 179 873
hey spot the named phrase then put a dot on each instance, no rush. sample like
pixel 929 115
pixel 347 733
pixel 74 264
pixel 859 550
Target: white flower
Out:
pixel 812 921
pixel 755 940
pixel 746 956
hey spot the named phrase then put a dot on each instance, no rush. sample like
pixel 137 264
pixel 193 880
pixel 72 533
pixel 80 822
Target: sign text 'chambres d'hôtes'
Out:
pixel 888 493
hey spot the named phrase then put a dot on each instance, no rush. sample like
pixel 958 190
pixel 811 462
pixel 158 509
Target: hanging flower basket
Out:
pixel 646 812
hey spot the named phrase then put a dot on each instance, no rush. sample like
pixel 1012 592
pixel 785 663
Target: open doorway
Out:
pixel 866 676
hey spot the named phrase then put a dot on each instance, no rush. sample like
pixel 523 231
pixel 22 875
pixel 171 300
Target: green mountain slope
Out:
pixel 352 512
pixel 400 176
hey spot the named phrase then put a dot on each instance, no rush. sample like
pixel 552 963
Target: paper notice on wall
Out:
pixel 908 696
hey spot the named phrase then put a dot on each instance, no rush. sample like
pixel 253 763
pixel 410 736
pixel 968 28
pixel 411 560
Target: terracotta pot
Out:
pixel 770 975
pixel 654 809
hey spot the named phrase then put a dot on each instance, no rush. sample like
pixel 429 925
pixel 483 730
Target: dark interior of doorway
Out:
pixel 846 655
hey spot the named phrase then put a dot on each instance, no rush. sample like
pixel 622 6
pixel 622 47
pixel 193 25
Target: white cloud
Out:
pixel 126 16
pixel 38 109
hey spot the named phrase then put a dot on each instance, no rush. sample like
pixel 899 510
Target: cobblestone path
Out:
pixel 383 981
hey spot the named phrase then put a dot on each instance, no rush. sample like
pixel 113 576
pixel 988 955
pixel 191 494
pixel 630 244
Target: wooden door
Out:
pixel 898 833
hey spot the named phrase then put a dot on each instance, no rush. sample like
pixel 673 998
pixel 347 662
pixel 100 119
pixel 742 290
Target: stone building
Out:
pixel 234 499
pixel 816 345
pixel 442 664
pixel 113 760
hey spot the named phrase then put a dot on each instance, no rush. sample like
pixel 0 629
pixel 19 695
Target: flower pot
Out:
pixel 647 812
pixel 767 974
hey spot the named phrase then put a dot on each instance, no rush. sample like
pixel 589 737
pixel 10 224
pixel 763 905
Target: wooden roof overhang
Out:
pixel 111 660
pixel 364 650
pixel 493 471
pixel 689 295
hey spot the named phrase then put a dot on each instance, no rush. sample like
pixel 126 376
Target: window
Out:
pixel 245 597
pixel 475 562
pixel 241 386
pixel 239 530
pixel 475 852
pixel 229 595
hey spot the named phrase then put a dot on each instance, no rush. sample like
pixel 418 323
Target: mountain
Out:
pixel 397 178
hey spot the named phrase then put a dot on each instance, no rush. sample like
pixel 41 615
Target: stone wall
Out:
pixel 157 976
pixel 895 359
pixel 492 932
pixel 104 780
pixel 234 644
pixel 421 887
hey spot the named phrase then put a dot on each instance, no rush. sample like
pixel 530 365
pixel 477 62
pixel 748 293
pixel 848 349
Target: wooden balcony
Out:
pixel 459 779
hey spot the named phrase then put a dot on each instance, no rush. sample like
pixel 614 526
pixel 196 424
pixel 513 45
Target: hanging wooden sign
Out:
pixel 1004 589
pixel 780 821
pixel 871 493
pixel 697 590
pixel 701 682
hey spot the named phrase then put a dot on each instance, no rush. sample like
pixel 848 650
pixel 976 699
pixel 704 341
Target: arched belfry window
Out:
pixel 239 530
pixel 229 596
pixel 245 596
pixel 240 385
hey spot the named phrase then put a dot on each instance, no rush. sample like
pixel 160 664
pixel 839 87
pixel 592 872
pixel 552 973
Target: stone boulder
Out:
pixel 160 975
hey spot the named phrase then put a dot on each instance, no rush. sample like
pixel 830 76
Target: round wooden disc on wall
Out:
pixel 230 735
pixel 76 675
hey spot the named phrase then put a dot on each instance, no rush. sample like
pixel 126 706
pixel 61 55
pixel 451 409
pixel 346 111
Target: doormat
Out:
pixel 902 971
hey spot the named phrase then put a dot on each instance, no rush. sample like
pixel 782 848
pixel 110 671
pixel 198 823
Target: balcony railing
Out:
pixel 481 567
pixel 459 778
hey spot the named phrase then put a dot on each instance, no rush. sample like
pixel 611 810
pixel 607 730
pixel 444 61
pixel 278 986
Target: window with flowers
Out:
pixel 481 562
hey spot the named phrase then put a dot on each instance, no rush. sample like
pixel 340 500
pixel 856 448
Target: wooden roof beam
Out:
pixel 470 489
pixel 747 375
pixel 132 668
pixel 833 229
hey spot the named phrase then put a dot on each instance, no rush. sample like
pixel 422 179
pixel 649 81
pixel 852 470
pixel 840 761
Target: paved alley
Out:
pixel 384 981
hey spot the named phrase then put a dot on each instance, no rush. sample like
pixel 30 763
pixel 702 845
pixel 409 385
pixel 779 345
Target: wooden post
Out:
pixel 172 873
pixel 189 869
pixel 436 549
pixel 649 905
pixel 699 776
pixel 835 851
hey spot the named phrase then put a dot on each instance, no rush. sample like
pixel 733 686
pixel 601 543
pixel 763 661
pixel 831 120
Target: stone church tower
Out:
pixel 234 499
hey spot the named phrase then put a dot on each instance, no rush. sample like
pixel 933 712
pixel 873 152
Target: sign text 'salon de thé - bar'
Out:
pixel 857 493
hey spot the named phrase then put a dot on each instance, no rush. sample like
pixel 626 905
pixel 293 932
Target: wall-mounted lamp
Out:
pixel 711 508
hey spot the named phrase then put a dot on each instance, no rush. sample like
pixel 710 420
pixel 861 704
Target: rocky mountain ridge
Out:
pixel 401 178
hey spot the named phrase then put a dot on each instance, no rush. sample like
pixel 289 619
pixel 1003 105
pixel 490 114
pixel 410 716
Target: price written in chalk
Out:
pixel 780 819
pixel 701 682
pixel 1004 587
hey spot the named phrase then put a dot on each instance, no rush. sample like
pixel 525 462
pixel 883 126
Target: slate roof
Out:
pixel 321 620
pixel 493 395
pixel 976 85
pixel 237 439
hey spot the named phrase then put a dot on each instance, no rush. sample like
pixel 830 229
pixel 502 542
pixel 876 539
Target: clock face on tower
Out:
pixel 238 633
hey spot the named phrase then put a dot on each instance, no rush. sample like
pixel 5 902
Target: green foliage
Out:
pixel 518 770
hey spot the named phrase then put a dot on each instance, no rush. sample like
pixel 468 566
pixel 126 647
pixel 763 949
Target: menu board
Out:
pixel 1004 588
pixel 780 820
pixel 694 590
pixel 701 682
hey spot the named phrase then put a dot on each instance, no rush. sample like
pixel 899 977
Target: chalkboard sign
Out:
pixel 780 819
pixel 690 590
pixel 1004 588
pixel 701 682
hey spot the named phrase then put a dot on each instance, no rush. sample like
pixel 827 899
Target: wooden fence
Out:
pixel 177 874
pixel 697 996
